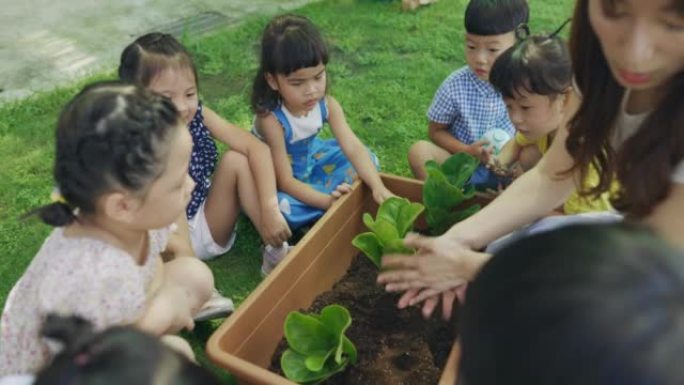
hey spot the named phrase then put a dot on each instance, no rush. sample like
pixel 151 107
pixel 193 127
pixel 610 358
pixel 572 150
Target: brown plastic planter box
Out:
pixel 245 343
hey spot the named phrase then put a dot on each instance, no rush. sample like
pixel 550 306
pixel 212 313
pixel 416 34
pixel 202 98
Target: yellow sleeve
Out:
pixel 541 143
pixel 576 204
pixel 522 139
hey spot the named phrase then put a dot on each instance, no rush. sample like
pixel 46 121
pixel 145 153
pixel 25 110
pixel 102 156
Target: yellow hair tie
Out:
pixel 57 197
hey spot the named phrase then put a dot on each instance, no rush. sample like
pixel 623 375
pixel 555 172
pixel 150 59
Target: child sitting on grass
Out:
pixel 466 106
pixel 243 179
pixel 121 168
pixel 535 78
pixel 291 104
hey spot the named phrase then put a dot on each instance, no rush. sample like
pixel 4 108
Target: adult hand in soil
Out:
pixel 431 299
pixel 440 263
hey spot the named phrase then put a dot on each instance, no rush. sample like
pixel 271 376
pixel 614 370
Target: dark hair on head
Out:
pixel 588 304
pixel 495 17
pixel 288 43
pixel 151 54
pixel 111 135
pixel 118 355
pixel 644 163
pixel 538 64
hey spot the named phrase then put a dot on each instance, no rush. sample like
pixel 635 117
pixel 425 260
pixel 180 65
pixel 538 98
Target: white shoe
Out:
pixel 217 306
pixel 272 256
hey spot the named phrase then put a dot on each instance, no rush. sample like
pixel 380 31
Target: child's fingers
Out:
pixel 481 143
pixel 344 188
pixel 285 235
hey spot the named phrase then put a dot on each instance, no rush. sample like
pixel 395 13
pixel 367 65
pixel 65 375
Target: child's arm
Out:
pixel 260 163
pixel 440 135
pixel 355 151
pixel 272 132
pixel 179 243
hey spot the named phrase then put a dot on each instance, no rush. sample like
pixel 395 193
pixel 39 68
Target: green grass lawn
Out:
pixel 385 67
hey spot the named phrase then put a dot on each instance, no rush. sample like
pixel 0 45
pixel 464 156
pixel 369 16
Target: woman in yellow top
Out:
pixel 535 79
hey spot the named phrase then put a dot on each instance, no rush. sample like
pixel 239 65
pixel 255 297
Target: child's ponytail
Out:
pixel 56 214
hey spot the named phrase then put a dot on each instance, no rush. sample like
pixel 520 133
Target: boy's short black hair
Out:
pixel 495 17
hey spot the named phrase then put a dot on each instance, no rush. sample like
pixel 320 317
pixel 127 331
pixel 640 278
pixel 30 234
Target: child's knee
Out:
pixel 419 152
pixel 201 278
pixel 193 274
pixel 233 161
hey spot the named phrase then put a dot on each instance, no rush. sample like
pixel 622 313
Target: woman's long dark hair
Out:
pixel 644 163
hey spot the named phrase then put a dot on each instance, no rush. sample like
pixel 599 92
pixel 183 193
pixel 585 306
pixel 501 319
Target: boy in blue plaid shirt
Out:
pixel 466 106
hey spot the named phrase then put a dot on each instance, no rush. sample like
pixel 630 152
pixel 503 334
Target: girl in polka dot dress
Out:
pixel 243 179
pixel 120 166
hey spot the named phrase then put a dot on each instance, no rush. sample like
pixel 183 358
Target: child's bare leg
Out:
pixel 179 345
pixel 194 276
pixel 422 151
pixel 187 284
pixel 233 189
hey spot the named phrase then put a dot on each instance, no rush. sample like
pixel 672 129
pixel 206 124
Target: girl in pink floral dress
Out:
pixel 121 167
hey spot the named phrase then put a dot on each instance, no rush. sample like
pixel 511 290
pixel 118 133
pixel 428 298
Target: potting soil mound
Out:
pixel 395 347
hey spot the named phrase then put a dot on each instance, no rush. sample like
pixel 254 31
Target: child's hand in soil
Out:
pixel 495 166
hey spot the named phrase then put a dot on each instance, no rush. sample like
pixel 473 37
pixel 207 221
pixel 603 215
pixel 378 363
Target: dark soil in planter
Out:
pixel 395 347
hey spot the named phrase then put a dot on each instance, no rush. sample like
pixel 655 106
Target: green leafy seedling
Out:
pixel 445 189
pixel 394 219
pixel 317 346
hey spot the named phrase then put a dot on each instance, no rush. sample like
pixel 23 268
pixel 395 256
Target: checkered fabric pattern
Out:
pixel 469 106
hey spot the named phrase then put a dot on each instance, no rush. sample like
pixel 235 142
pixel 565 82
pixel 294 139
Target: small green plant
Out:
pixel 445 189
pixel 394 219
pixel 318 347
